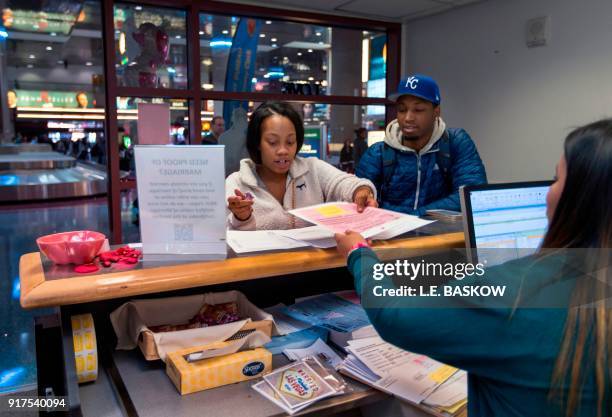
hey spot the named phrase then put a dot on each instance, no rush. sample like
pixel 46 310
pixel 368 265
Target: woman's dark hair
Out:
pixel 264 111
pixel 583 217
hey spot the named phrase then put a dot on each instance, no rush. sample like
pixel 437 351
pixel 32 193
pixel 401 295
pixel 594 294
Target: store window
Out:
pixel 150 47
pixel 241 54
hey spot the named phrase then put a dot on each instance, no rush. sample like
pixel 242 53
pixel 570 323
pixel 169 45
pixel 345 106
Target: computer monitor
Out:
pixel 509 216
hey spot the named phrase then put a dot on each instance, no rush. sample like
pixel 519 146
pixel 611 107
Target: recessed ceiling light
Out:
pixel 178 36
pixel 310 50
pixel 225 32
pixel 273 39
pixel 201 32
pixel 49 48
pixel 299 54
pixel 89 64
pixel 32 56
pixel 318 33
pixel 138 8
pixel 262 35
pixel 268 22
pixel 310 78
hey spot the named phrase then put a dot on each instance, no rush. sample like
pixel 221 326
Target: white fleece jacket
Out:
pixel 310 181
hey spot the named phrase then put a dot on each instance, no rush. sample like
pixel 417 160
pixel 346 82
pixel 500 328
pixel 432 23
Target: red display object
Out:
pixel 71 247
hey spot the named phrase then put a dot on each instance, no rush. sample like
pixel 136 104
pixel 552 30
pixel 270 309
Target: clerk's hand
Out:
pixel 364 197
pixel 241 205
pixel 346 241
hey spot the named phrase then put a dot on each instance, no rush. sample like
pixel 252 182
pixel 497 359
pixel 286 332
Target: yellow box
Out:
pixel 189 377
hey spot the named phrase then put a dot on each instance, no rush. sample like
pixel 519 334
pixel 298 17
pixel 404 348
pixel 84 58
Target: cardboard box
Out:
pixel 189 377
pixel 146 342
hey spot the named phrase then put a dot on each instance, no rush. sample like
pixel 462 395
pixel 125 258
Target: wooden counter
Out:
pixel 36 291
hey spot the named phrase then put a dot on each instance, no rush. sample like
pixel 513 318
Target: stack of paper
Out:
pixel 412 377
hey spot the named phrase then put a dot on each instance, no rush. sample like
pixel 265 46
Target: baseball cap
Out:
pixel 418 85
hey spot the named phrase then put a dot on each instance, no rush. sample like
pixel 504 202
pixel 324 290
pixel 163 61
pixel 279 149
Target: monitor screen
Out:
pixel 506 217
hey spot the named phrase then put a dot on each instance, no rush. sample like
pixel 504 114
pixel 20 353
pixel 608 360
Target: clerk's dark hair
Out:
pixel 265 110
pixel 583 219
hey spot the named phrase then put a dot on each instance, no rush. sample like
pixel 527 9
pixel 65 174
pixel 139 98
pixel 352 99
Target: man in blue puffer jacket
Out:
pixel 421 164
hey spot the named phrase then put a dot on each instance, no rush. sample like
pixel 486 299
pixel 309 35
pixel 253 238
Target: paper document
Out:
pixel 450 393
pixel 284 323
pixel 340 217
pixel 316 236
pixel 378 355
pixel 260 240
pixel 318 349
pixel 329 311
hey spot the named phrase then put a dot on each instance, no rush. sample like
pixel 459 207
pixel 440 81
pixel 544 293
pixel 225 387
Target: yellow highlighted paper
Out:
pixel 330 211
pixel 442 374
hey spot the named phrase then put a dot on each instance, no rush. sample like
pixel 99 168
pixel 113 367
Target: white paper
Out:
pixel 400 226
pixel 453 390
pixel 260 240
pixel 181 193
pixel 316 236
pixel 378 355
pixel 318 349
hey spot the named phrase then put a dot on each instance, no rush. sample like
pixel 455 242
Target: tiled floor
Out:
pixel 19 229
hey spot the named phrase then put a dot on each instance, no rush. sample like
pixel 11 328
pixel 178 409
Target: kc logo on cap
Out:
pixel 412 82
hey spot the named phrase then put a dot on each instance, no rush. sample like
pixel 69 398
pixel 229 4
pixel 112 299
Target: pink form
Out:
pixel 340 217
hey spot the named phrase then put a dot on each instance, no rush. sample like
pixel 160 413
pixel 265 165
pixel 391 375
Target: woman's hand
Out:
pixel 241 205
pixel 346 241
pixel 364 197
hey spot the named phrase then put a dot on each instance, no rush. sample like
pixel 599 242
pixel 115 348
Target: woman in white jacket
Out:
pixel 275 180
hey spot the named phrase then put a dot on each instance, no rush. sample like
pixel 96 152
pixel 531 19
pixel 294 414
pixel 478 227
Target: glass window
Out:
pixel 240 54
pixel 150 47
pixel 127 122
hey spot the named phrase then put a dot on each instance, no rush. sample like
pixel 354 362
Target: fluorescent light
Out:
pixel 225 32
pixel 49 48
pixel 273 40
pixel 201 32
pixel 310 78
pixel 268 22
pixel 318 33
pixel 31 56
pixel 139 8
pixel 178 36
pixel 299 54
pixel 262 35
pixel 365 60
pixel 219 42
pixel 89 64
pixel 310 50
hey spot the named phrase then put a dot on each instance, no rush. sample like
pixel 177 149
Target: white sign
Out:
pixel 181 201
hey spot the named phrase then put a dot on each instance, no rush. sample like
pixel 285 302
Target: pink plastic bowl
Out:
pixel 71 247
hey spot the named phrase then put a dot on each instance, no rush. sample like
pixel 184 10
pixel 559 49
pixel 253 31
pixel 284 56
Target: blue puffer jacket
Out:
pixel 417 183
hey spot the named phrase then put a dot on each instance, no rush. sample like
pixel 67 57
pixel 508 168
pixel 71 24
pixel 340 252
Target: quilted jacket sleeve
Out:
pixel 466 169
pixel 370 165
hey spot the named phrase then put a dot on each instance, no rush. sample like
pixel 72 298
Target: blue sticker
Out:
pixel 253 368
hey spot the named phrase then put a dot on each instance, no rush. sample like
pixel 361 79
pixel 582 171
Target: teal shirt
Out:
pixel 509 353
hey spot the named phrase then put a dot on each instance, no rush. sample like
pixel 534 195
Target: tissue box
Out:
pixel 189 377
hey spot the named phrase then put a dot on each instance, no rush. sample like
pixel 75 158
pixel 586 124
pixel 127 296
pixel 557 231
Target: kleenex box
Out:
pixel 189 377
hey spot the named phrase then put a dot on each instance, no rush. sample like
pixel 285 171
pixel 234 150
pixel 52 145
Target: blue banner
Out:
pixel 241 64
